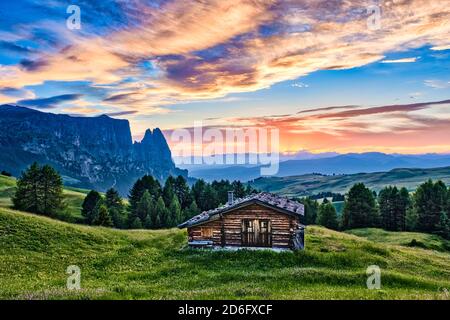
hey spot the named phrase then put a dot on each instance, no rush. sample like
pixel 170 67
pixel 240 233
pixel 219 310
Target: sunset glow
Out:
pixel 314 69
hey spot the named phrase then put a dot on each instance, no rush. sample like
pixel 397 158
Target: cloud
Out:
pixel 14 48
pixel 437 84
pixel 404 60
pixel 394 128
pixel 300 85
pixel 48 103
pixel 441 48
pixel 328 109
pixel 151 56
pixel 121 113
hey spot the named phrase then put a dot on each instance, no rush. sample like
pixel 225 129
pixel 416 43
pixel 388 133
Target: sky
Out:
pixel 330 75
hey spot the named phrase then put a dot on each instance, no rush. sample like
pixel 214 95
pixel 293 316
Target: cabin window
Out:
pixel 207 232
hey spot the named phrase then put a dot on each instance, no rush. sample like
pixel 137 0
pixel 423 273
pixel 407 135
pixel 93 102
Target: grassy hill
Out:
pixel 313 183
pixel 35 252
pixel 73 198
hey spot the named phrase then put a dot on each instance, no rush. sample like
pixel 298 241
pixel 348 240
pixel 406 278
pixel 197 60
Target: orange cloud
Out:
pixel 398 128
pixel 310 35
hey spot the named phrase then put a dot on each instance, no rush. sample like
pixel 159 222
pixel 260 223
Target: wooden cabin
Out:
pixel 262 220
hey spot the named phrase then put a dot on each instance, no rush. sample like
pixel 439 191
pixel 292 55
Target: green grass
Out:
pixel 35 252
pixel 408 239
pixel 73 199
pixel 7 187
pixel 313 184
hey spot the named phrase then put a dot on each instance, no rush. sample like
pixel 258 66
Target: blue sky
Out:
pixel 170 63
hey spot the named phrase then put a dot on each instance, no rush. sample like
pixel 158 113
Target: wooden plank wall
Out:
pixel 282 226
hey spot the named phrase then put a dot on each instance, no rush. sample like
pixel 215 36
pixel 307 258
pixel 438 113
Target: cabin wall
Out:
pixel 282 227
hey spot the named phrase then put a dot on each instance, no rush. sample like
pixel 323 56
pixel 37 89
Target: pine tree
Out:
pixel 168 191
pixel 141 185
pixel 26 197
pixel 90 202
pixel 238 189
pixel 208 199
pixel 113 199
pixel 222 188
pixel 443 229
pixel 39 190
pixel 311 208
pixel 404 204
pixel 116 208
pixel 327 216
pixel 161 213
pixel 102 217
pixel 52 191
pixel 197 191
pixel 430 199
pixel 174 213
pixel 118 218
pixel 182 191
pixel 136 224
pixel 387 199
pixel 145 207
pixel 411 219
pixel 360 209
pixel 148 223
pixel 190 212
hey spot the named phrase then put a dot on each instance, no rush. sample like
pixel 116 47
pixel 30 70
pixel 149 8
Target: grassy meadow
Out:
pixel 312 183
pixel 73 198
pixel 35 252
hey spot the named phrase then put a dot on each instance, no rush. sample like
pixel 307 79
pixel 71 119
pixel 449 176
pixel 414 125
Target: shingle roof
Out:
pixel 277 202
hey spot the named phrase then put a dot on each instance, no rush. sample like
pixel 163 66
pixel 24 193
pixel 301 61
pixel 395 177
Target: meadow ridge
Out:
pixel 308 184
pixel 36 251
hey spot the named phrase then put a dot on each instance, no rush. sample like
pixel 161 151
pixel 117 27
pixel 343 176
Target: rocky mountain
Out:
pixel 90 152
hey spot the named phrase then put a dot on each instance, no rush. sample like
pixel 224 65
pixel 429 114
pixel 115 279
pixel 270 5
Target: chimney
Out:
pixel 230 198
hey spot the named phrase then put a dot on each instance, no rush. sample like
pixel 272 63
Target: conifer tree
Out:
pixel 327 216
pixel 136 224
pixel 162 213
pixel 102 217
pixel 182 191
pixel 168 191
pixel 190 212
pixel 91 201
pixel 116 208
pixel 174 213
pixel 145 206
pixel 39 190
pixel 360 209
pixel 431 200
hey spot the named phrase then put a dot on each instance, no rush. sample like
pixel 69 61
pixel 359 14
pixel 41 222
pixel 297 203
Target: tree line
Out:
pixel 150 205
pixel 393 209
pixel 153 206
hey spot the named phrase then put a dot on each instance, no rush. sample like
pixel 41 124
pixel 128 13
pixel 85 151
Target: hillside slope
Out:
pixel 315 183
pixel 73 199
pixel 35 252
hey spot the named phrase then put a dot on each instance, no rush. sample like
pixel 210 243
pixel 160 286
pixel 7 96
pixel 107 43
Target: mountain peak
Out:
pixel 91 152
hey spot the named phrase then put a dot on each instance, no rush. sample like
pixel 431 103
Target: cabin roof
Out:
pixel 281 204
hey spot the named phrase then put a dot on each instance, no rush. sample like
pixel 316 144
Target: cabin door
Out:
pixel 256 233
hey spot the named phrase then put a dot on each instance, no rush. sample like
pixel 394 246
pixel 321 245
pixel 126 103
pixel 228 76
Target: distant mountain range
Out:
pixel 90 152
pixel 310 184
pixel 330 164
